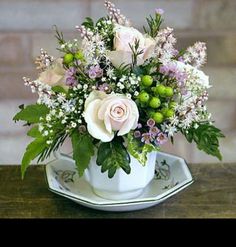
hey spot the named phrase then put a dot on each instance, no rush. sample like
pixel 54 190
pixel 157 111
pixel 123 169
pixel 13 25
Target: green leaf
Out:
pixel 139 150
pixel 32 151
pixel 34 132
pixel 112 156
pixel 59 89
pixel 206 136
pixel 32 113
pixel 83 150
pixel 88 23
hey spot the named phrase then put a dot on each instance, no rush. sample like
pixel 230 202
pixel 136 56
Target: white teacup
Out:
pixel 122 186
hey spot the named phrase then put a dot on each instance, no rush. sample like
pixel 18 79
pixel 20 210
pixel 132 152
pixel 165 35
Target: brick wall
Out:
pixel 25 27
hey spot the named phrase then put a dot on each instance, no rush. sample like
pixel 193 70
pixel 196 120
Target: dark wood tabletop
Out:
pixel 212 195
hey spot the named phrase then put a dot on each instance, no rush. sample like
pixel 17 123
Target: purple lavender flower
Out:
pixel 173 71
pixel 161 139
pixel 104 88
pixel 159 11
pixel 139 126
pixel 71 77
pixel 95 72
pixel 146 138
pixel 150 122
pixel 154 131
pixel 137 134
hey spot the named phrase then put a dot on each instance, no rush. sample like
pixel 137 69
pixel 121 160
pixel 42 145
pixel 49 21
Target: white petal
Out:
pixel 96 127
pixel 95 94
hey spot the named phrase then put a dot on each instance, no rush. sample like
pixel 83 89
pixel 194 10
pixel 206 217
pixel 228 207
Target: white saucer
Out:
pixel 172 175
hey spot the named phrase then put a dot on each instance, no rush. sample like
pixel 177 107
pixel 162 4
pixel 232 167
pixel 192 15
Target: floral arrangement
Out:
pixel 117 92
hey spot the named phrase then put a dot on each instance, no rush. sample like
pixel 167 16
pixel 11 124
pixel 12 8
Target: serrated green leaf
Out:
pixel 83 150
pixel 206 137
pixel 139 150
pixel 34 132
pixel 32 113
pixel 32 151
pixel 112 156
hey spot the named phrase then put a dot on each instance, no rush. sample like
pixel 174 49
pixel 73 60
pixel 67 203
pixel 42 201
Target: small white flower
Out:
pixel 128 95
pixel 136 93
pixel 48 118
pixel 45 133
pixel 49 142
pixel 73 124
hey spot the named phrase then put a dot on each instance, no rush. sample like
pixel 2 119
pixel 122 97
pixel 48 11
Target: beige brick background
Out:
pixel 26 26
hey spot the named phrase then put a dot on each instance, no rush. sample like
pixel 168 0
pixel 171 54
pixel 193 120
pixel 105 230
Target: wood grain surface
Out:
pixel 212 195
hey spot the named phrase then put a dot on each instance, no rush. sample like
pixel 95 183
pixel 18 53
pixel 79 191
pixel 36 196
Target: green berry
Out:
pixel 164 110
pixel 79 55
pixel 68 58
pixel 144 97
pixel 151 113
pixel 147 80
pixel 172 104
pixel 169 92
pixel 160 89
pixel 169 113
pixel 155 102
pixel 158 117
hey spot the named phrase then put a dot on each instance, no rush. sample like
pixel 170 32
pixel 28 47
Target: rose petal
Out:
pixel 96 127
pixel 95 94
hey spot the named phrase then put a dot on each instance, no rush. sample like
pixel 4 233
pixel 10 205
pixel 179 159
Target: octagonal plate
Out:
pixel 171 176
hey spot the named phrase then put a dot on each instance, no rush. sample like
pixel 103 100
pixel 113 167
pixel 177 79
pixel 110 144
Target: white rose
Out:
pixel 54 75
pixel 105 114
pixel 126 36
pixel 201 77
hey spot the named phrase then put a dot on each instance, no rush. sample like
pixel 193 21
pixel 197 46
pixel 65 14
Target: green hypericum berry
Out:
pixel 169 92
pixel 68 58
pixel 144 97
pixel 79 55
pixel 160 89
pixel 164 110
pixel 169 113
pixel 151 113
pixel 158 117
pixel 172 104
pixel 147 80
pixel 155 102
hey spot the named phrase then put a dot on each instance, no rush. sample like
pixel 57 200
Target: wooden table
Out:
pixel 212 195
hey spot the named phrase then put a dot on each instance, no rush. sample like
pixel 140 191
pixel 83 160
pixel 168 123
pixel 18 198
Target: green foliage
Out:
pixel 34 132
pixel 153 25
pixel 32 151
pixel 59 36
pixel 139 150
pixel 32 113
pixel 83 150
pixel 206 137
pixel 113 155
pixel 123 69
pixel 88 23
pixel 59 89
pixel 135 52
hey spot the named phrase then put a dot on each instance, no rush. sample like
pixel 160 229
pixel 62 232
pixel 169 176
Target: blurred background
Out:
pixel 26 26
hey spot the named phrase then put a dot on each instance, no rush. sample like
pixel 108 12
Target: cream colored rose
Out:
pixel 126 36
pixel 54 75
pixel 105 114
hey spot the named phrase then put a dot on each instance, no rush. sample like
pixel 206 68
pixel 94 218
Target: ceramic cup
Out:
pixel 122 186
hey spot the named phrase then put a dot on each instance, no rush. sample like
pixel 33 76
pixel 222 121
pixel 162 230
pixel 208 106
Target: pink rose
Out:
pixel 107 113
pixel 54 75
pixel 126 36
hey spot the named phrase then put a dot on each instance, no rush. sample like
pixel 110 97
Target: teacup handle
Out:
pixel 60 156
